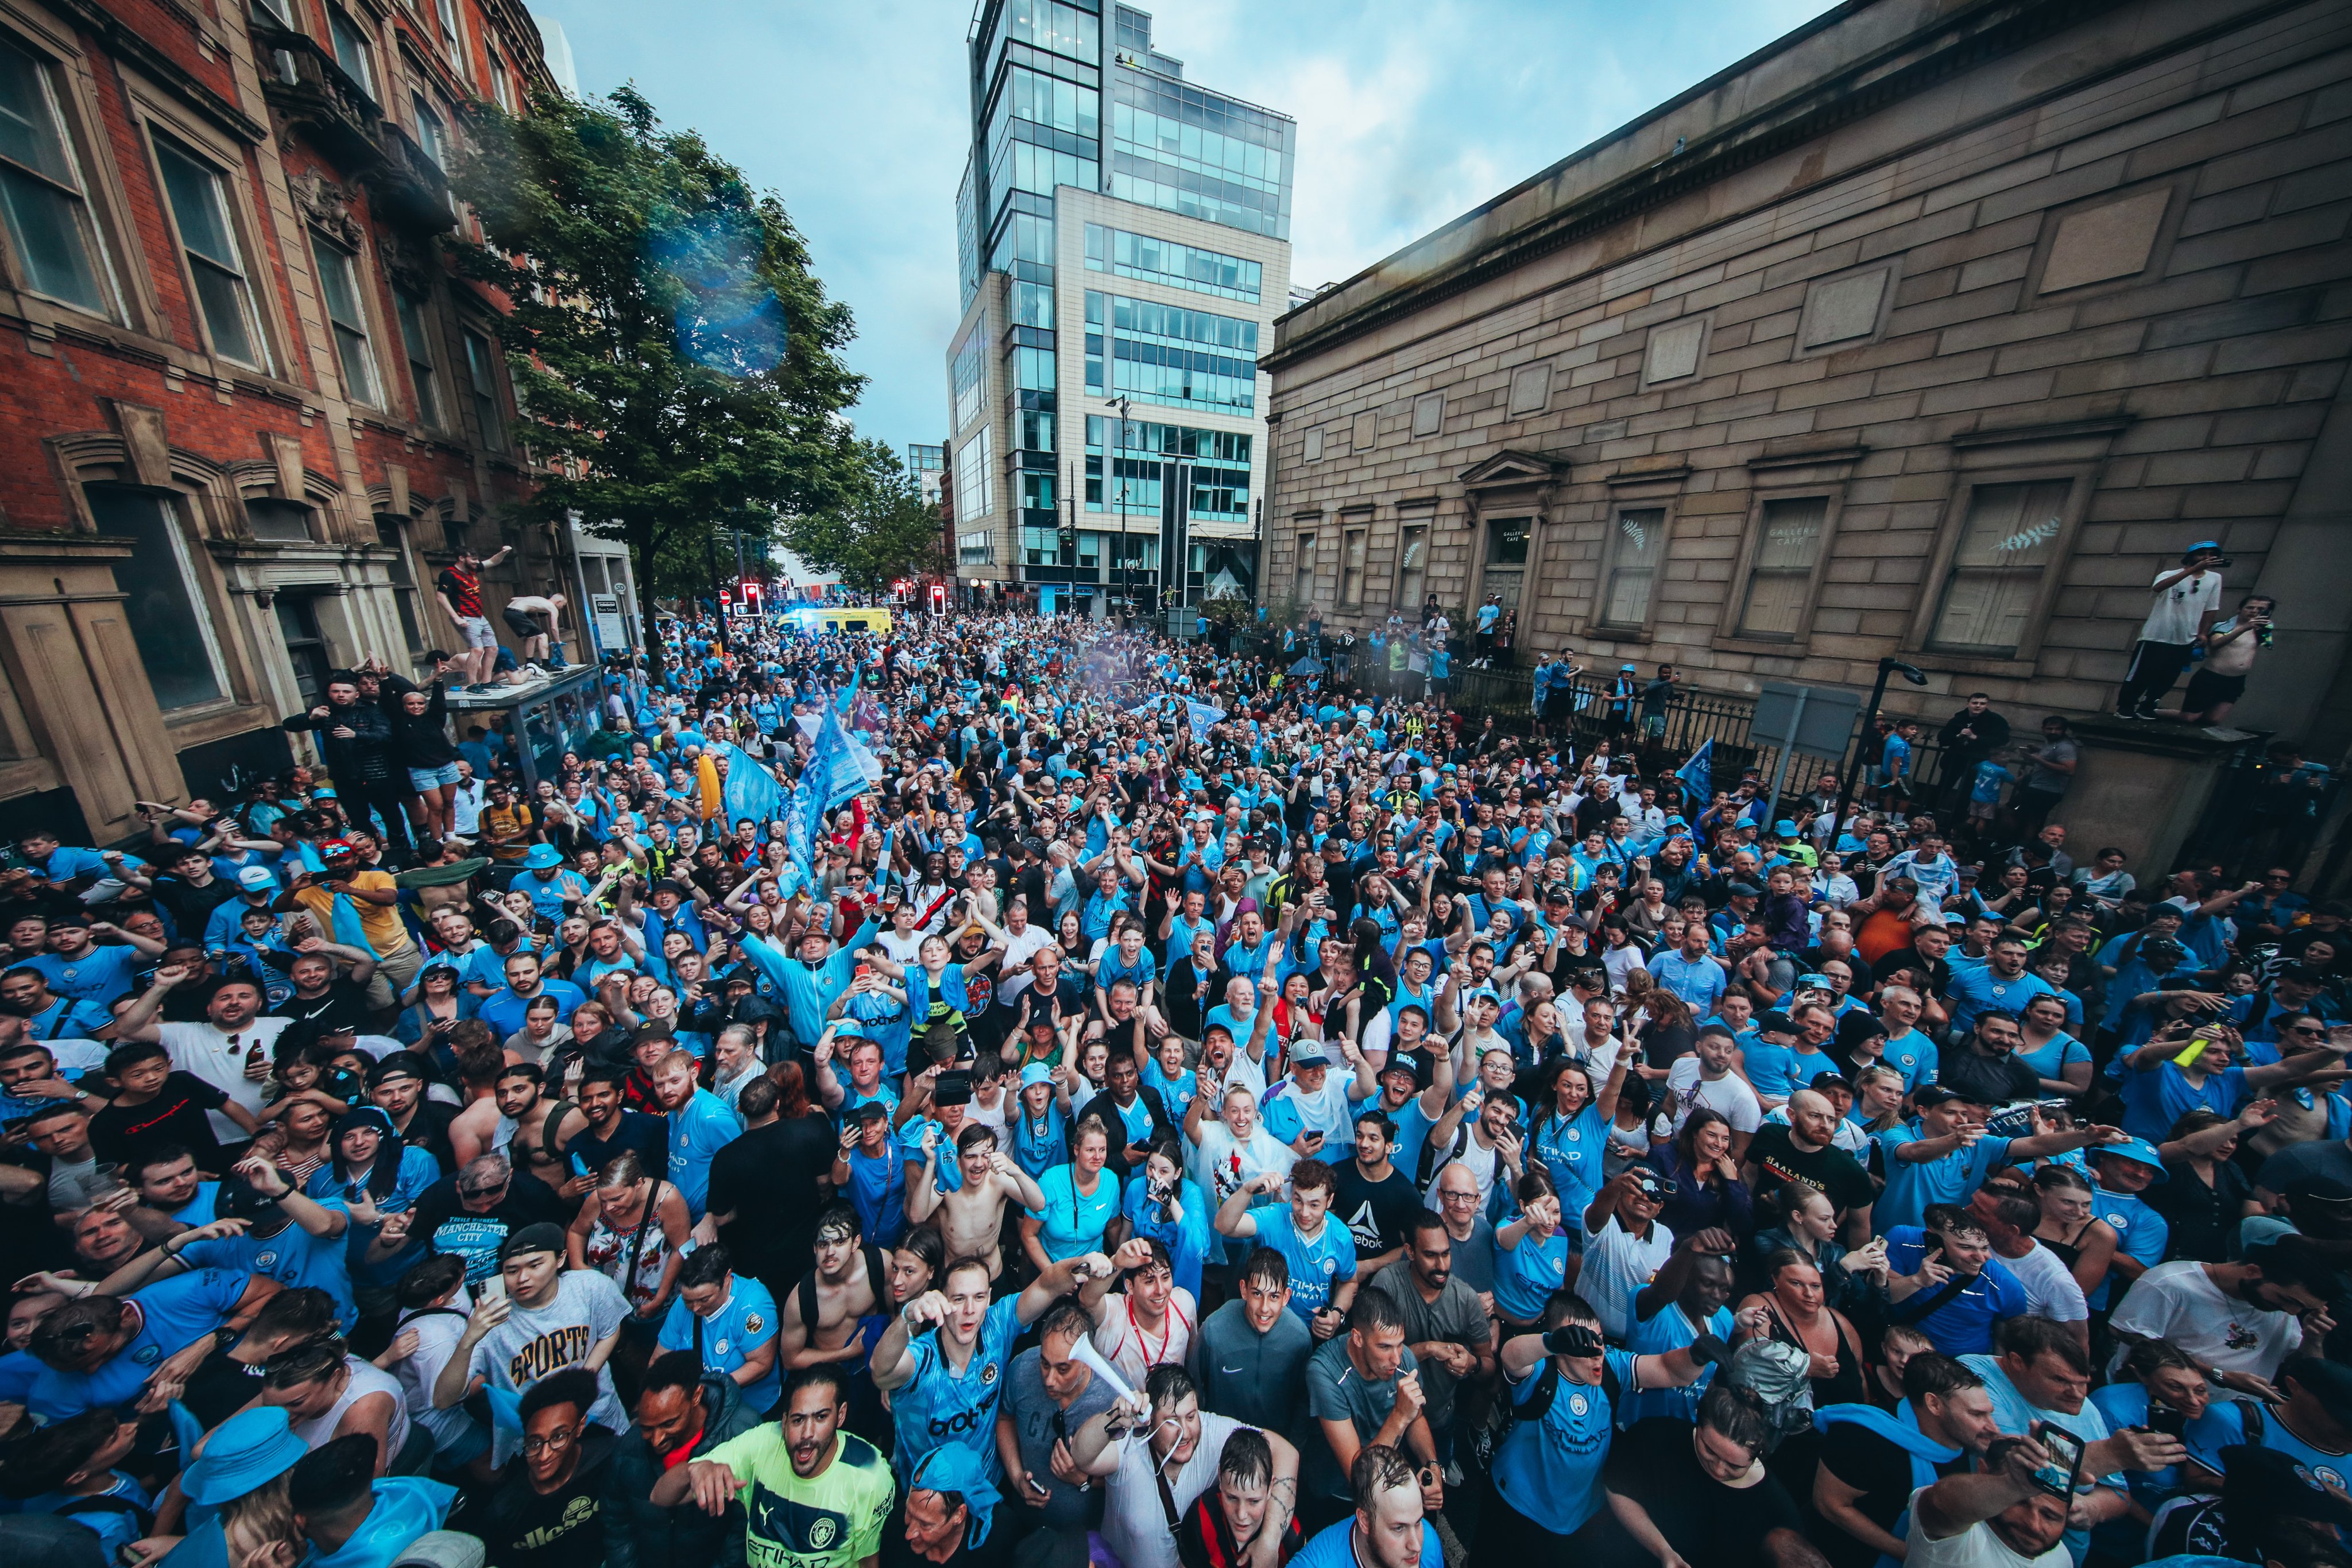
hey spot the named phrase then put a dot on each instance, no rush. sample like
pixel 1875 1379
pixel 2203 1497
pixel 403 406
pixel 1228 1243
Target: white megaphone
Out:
pixel 1085 1351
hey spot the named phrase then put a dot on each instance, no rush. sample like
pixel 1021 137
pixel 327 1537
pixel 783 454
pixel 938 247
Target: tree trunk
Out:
pixel 642 544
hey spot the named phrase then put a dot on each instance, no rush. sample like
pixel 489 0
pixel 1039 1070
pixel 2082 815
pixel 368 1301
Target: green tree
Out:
pixel 882 529
pixel 676 361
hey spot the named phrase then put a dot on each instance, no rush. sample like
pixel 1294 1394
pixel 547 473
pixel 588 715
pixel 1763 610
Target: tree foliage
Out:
pixel 882 529
pixel 676 363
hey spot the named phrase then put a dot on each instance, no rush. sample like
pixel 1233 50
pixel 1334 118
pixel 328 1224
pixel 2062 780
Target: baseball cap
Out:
pixel 1309 1053
pixel 542 1237
pixel 1928 1094
pixel 2138 1150
pixel 397 1064
pixel 255 878
pixel 1815 983
pixel 1743 890
pixel 341 849
pixel 1409 1063
pixel 2201 546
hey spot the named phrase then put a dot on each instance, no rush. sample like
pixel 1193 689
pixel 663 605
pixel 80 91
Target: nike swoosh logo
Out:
pixel 1230 1371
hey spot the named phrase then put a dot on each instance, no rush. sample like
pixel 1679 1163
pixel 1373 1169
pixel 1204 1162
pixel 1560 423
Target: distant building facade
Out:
pixel 1928 331
pixel 1122 233
pixel 250 411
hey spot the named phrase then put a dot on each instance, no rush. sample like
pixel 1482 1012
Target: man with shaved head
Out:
pixel 1804 1150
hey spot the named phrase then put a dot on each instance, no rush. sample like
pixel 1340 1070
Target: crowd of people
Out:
pixel 1167 1107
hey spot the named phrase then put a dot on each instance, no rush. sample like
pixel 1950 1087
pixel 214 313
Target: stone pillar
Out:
pixel 2141 789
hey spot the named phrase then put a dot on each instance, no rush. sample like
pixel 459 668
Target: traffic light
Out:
pixel 939 599
pixel 752 597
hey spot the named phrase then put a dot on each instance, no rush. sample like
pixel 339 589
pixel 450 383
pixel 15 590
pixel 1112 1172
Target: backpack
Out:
pixel 1486 1441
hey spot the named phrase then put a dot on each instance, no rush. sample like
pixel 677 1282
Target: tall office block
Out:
pixel 1123 250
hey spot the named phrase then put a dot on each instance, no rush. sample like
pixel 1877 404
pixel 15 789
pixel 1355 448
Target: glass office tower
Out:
pixel 1123 250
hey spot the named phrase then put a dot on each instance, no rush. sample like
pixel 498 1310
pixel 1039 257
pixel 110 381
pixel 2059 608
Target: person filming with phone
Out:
pixel 2217 684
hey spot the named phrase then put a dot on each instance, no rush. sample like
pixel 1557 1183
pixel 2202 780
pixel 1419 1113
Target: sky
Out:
pixel 1410 112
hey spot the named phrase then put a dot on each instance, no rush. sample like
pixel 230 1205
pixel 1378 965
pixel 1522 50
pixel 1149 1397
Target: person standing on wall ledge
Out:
pixel 2215 686
pixel 459 589
pixel 2187 599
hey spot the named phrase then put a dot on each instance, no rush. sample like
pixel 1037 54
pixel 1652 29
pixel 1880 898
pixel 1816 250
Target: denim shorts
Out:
pixel 422 778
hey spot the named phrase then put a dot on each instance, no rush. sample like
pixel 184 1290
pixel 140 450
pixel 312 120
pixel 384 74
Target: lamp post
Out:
pixel 1877 691
pixel 1121 572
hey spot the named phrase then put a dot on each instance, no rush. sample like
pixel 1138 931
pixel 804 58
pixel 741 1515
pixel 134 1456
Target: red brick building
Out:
pixel 247 411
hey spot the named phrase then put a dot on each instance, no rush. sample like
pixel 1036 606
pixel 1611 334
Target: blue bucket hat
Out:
pixel 956 1467
pixel 248 1450
pixel 2137 1149
pixel 1036 1072
pixel 542 857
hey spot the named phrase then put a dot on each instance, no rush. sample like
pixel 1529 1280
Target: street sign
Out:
pixel 1816 720
pixel 612 631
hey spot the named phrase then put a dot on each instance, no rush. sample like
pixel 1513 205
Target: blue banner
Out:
pixel 1698 776
pixel 749 789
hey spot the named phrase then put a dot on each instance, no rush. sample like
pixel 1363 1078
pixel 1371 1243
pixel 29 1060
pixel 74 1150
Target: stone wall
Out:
pixel 1931 332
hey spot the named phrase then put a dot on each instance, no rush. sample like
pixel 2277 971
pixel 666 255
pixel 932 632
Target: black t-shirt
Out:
pixel 647 1135
pixel 342 1006
pixel 2203 1220
pixel 1375 1212
pixel 1880 1472
pixel 220 1387
pixel 1831 1170
pixel 192 906
pixel 560 1529
pixel 176 1115
pixel 450 1227
pixel 1939 970
pixel 428 1130
pixel 768 1179
pixel 1986 1079
pixel 1702 1520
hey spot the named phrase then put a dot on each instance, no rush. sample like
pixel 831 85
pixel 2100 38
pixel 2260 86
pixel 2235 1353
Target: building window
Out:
pixel 1636 545
pixel 306 645
pixel 58 252
pixel 1033 305
pixel 1506 558
pixel 965 374
pixel 1781 577
pixel 2008 542
pixel 482 381
pixel 1033 369
pixel 339 282
pixel 1042 546
pixel 977 548
pixel 216 264
pixel 501 85
pixel 280 11
pixel 416 341
pixel 1150 259
pixel 280 522
pixel 453 31
pixel 1304 585
pixel 1413 566
pixel 1353 544
pixel 169 622
pixel 1169 354
pixel 353 51
pixel 394 537
pixel 973 477
pixel 432 132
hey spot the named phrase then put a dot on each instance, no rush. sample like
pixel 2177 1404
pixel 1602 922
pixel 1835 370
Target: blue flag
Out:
pixel 749 789
pixel 1202 716
pixel 836 769
pixel 1698 774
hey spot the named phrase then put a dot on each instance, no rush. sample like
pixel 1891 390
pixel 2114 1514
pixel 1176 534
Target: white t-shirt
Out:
pixel 1729 1094
pixel 533 1343
pixel 2051 1291
pixel 366 1378
pixel 2178 1302
pixel 1134 1524
pixel 1975 1547
pixel 438 1333
pixel 1018 950
pixel 218 1056
pixel 1128 1347
pixel 2173 617
pixel 1221 1166
pixel 1616 1266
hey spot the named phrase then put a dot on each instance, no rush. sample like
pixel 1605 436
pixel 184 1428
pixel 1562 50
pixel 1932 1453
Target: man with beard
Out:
pixel 1048 1396
pixel 1160 1453
pixel 1870 1465
pixel 818 1496
pixel 1445 1328
pixel 396 1087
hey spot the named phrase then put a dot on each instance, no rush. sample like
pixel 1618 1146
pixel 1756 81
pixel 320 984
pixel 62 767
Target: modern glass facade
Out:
pixel 1050 79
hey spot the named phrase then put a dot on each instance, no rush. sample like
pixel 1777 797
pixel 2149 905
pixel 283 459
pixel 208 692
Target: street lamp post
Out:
pixel 1122 574
pixel 1877 691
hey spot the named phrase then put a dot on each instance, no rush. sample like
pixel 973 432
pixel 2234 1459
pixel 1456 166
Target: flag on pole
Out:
pixel 1698 774
pixel 1202 716
pixel 749 789
pixel 839 768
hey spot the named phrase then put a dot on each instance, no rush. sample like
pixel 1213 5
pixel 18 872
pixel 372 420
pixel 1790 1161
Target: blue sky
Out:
pixel 1410 111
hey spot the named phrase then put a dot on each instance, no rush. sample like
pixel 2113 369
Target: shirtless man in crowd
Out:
pixel 520 1121
pixel 972 1218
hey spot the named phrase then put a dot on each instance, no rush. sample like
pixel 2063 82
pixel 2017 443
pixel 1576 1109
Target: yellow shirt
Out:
pixel 385 934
